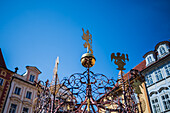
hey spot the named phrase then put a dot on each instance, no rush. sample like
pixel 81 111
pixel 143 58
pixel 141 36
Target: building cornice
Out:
pixel 11 72
pixel 33 68
pixel 14 98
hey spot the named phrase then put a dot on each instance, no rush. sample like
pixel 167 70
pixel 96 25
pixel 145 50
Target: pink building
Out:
pixel 22 92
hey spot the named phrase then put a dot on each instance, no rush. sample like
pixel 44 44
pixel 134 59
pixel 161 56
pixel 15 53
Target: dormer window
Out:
pixel 32 77
pixel 32 73
pixel 149 59
pixel 162 50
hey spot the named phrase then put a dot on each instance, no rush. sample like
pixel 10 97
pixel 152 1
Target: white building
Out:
pixel 157 77
pixel 22 92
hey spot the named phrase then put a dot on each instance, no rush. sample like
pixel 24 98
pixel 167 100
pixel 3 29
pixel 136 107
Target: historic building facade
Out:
pixel 5 80
pixel 22 92
pixel 157 77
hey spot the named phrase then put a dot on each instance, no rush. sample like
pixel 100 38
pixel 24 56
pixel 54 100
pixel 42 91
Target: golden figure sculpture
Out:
pixel 119 60
pixel 88 38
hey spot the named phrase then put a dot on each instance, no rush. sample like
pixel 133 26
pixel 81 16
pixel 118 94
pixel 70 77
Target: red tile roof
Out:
pixel 139 67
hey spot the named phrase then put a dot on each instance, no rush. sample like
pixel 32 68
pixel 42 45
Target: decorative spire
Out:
pixel 55 76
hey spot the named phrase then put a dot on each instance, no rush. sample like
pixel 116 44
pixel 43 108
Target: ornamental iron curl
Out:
pixel 87 92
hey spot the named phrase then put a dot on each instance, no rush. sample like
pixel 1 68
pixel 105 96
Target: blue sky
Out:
pixel 35 32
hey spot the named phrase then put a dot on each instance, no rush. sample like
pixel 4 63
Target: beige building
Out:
pixel 22 92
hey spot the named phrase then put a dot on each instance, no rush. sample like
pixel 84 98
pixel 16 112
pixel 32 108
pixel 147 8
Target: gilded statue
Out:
pixel 88 38
pixel 119 60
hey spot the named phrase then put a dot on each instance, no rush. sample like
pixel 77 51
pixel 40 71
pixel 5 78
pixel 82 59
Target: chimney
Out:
pixel 16 69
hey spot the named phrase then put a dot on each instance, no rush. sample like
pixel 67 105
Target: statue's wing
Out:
pixel 90 38
pixel 83 34
pixel 127 57
pixel 112 56
pixel 123 57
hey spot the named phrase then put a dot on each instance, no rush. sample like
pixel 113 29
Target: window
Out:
pixel 149 80
pixel 135 98
pixel 25 110
pixel 162 50
pixel 149 59
pixel 155 104
pixel 1 81
pixel 167 69
pixel 107 111
pixel 13 108
pixel 28 95
pixel 158 75
pixel 32 78
pixel 166 101
pixel 17 90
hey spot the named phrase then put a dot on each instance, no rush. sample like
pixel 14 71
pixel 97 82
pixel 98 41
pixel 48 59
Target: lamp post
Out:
pixel 87 92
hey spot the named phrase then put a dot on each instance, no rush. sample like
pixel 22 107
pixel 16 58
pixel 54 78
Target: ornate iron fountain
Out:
pixel 87 92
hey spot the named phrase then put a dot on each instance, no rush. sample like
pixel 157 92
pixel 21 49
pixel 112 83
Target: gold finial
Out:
pixel 88 38
pixel 119 60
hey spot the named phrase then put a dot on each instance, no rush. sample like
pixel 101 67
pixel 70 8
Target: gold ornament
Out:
pixel 88 38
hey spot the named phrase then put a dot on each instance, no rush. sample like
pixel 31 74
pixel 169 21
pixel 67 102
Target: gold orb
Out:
pixel 88 60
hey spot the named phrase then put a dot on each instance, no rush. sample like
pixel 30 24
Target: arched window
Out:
pixel 162 50
pixel 149 59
